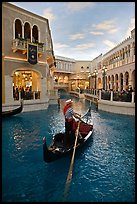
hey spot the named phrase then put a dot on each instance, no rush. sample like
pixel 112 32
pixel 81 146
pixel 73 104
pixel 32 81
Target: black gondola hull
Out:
pixel 13 112
pixel 51 154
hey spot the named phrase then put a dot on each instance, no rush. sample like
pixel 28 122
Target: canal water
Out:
pixel 104 170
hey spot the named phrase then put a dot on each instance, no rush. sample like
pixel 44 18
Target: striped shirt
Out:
pixel 69 113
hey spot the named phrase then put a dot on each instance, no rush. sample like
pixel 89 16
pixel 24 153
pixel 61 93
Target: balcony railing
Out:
pixel 21 44
pixel 121 96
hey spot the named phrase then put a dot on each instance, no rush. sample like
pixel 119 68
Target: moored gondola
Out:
pixel 14 111
pixel 56 149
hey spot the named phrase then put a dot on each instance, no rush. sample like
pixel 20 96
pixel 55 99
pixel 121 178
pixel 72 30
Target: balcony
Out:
pixel 20 44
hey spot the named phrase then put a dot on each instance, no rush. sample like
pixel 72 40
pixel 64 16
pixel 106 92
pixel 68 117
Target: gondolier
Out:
pixel 69 122
pixel 56 149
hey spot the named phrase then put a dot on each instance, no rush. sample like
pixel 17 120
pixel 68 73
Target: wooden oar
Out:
pixel 69 177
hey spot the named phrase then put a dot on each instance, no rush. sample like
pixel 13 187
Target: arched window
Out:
pixel 18 29
pixel 27 31
pixel 35 34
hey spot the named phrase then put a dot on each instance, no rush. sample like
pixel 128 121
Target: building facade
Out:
pixel 70 74
pixel 26 46
pixel 64 68
pixel 115 70
pixel 33 76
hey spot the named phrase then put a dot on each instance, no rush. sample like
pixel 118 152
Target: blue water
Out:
pixel 104 170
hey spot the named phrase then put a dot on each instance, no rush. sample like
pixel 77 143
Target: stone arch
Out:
pixel 26 77
pixel 26 68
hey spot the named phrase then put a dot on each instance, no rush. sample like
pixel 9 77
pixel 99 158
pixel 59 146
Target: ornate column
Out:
pixel 111 96
pixel 133 96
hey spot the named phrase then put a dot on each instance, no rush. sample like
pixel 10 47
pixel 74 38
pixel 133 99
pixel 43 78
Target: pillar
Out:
pixel 43 93
pixel 23 31
pixel 31 34
pixel 111 97
pixel 8 89
pixel 124 82
pixel 133 95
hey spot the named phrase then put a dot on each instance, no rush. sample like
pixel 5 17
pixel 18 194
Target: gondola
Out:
pixel 14 111
pixel 56 149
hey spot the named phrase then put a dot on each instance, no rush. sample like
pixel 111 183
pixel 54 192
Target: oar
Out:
pixel 69 177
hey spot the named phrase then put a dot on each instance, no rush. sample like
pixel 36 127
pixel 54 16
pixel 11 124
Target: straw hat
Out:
pixel 69 102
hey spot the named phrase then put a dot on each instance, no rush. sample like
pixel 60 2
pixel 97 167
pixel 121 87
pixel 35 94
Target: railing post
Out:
pixel 34 95
pixel 133 95
pixel 111 98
